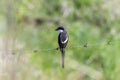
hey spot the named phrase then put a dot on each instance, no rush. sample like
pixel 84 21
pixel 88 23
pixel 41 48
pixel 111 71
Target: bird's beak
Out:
pixel 56 29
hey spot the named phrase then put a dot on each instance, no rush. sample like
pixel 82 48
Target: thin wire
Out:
pixel 86 45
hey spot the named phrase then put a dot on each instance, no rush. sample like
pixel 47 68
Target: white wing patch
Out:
pixel 65 40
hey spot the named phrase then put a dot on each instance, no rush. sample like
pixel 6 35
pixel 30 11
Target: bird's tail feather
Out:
pixel 63 55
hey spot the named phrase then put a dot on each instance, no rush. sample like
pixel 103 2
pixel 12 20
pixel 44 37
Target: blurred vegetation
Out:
pixel 88 23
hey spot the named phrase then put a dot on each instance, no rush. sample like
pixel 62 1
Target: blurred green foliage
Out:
pixel 86 22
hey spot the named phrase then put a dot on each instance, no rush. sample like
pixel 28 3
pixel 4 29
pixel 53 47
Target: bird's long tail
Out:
pixel 63 55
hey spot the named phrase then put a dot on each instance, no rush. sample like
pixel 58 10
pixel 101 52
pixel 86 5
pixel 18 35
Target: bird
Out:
pixel 62 41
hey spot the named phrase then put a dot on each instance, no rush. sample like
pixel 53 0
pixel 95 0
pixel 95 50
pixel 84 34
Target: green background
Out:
pixel 91 23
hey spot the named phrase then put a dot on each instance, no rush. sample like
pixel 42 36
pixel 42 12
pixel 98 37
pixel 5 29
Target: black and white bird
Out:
pixel 62 41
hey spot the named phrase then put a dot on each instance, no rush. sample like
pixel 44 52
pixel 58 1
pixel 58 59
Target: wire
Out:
pixel 86 45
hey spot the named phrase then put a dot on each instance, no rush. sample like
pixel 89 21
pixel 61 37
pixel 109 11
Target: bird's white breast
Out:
pixel 60 31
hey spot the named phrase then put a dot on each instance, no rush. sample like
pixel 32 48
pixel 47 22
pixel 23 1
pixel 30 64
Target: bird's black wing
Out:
pixel 63 39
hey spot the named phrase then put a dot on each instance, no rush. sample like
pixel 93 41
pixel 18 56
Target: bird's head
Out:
pixel 60 29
